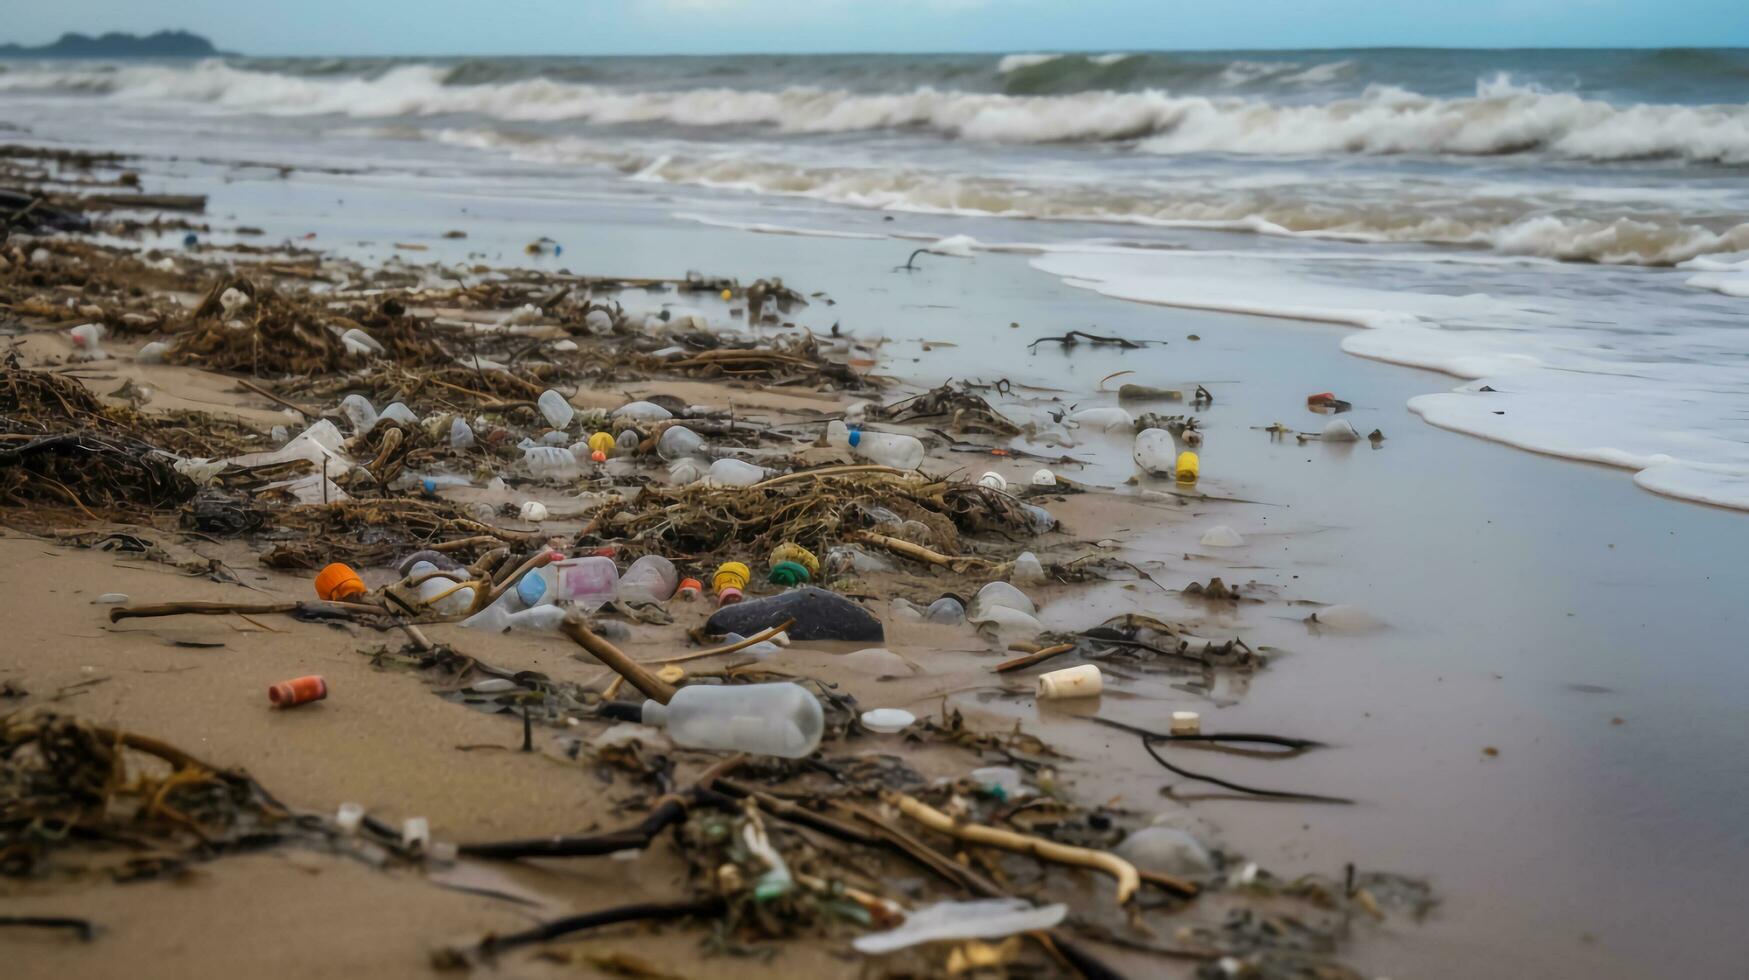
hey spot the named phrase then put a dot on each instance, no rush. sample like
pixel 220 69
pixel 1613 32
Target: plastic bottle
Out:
pixel 848 559
pixel 589 582
pixel 886 448
pixel 399 412
pixel 782 719
pixel 642 411
pixel 152 353
pixel 88 338
pixel 1154 451
pixel 1084 681
pixel 760 650
pixel 454 604
pixel 499 617
pixel 677 441
pixel 628 441
pixel 651 578
pixel 460 436
pixel 1187 467
pixel 550 463
pixel 1341 430
pixel 1104 418
pixel 359 413
pixel 1037 518
pixel 734 473
pixel 555 408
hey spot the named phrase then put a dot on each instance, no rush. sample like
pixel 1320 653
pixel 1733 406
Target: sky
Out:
pixel 346 27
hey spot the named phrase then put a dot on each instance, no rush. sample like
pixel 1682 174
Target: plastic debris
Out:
pixel 887 721
pixel 1221 536
pixel 818 615
pixel 1080 681
pixel 298 690
pixel 989 918
pixel 780 719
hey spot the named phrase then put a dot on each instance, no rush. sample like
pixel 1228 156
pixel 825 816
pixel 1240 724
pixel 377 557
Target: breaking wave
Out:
pixel 1501 118
pixel 1509 226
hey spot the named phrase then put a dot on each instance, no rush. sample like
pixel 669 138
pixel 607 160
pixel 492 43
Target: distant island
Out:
pixel 164 44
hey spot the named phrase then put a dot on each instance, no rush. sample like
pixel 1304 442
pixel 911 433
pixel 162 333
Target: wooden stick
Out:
pixel 653 687
pixel 315 608
pixel 270 396
pixel 1040 657
pixel 957 563
pixel 1128 881
pixel 758 637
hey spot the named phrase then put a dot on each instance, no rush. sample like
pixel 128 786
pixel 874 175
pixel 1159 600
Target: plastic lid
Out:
pixel 855 436
pixel 886 721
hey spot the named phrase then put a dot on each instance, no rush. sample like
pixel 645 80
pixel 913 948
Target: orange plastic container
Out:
pixel 299 690
pixel 338 582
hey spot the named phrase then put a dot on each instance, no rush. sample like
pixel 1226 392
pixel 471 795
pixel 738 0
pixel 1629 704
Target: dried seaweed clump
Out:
pixel 368 533
pixel 816 512
pixel 65 783
pixel 59 446
pixel 275 333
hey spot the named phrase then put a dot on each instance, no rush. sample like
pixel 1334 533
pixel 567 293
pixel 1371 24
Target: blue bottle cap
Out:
pixel 855 436
pixel 530 588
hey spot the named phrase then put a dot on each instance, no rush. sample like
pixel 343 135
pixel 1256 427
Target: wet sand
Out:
pixel 1529 604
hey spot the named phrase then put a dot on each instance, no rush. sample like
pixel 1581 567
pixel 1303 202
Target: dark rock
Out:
pixel 819 615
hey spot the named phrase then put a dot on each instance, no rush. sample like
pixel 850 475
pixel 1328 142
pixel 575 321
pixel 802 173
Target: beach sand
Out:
pixel 1581 629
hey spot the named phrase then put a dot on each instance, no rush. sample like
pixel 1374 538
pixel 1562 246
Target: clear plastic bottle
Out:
pixel 550 463
pixel 886 448
pixel 555 408
pixel 454 604
pixel 781 719
pixel 641 411
pixel 499 617
pixel 359 413
pixel 399 412
pixel 588 582
pixel 684 471
pixel 735 473
pixel 651 578
pixel 628 441
pixel 677 441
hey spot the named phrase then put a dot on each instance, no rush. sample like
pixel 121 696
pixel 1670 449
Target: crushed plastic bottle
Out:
pixel 399 412
pixel 88 338
pixel 152 353
pixel 651 578
pixel 550 463
pixel 359 413
pixel 642 411
pixel 1039 520
pixel 728 472
pixel 628 441
pixel 758 651
pixel 555 409
pixel 677 441
pixel 460 435
pixel 1104 418
pixel 848 559
pixel 1166 850
pixel 885 448
pixel 781 719
pixel 598 322
pixel 500 618
pixel 360 344
pixel 589 582
pixel 685 470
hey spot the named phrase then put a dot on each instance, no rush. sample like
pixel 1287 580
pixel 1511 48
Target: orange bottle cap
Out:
pixel 338 582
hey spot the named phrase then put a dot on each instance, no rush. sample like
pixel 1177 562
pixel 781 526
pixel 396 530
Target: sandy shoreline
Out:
pixel 1429 524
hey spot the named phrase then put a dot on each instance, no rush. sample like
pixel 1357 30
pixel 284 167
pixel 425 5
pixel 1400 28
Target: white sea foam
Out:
pixel 1501 118
pixel 1510 225
pixel 1568 379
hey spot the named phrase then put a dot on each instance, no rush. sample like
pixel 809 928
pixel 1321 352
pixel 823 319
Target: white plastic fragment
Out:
pixel 887 721
pixel 1222 536
pixel 988 918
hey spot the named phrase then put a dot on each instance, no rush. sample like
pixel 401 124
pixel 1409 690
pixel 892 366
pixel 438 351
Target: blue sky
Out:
pixel 710 26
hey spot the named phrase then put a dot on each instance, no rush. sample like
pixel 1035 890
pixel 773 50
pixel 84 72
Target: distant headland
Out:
pixel 164 44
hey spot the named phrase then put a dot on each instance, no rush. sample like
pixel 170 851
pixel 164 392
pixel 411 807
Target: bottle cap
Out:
pixel 338 582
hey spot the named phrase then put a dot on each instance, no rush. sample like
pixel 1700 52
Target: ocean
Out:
pixel 1562 234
